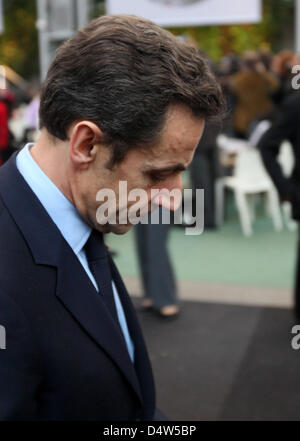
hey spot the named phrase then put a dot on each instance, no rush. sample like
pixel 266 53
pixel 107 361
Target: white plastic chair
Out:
pixel 250 178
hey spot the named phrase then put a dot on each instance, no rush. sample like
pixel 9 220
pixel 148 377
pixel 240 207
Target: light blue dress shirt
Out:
pixel 68 220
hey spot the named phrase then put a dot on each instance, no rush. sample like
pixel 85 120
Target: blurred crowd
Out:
pixel 19 123
pixel 255 85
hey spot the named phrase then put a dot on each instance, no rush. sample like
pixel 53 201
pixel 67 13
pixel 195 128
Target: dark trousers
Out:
pixel 156 269
pixel 203 176
pixel 297 279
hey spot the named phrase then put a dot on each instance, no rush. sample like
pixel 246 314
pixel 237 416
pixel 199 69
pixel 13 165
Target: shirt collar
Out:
pixel 63 213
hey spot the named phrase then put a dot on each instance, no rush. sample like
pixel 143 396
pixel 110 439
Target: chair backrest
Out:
pixel 249 168
pixel 286 158
pixel 231 145
pixel 258 132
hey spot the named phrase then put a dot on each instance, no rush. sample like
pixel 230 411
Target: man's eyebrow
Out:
pixel 172 168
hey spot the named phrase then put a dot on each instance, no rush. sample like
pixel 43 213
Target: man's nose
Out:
pixel 175 183
pixel 171 193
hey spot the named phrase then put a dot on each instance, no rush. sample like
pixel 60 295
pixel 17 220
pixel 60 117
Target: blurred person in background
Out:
pixel 286 126
pixel 158 278
pixel 6 139
pixel 205 168
pixel 282 67
pixel 32 117
pixel 228 66
pixel 252 88
pixel 266 59
pixel 4 132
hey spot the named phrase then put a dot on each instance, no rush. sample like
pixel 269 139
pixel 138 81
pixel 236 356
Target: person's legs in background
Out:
pixel 297 280
pixel 156 270
pixel 203 177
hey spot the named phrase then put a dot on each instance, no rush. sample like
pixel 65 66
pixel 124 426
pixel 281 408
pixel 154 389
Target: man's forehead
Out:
pixel 171 150
pixel 176 143
pixel 181 136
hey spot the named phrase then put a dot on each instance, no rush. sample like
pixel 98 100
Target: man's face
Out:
pixel 157 167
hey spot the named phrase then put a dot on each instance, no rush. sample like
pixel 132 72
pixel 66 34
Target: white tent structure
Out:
pixel 190 12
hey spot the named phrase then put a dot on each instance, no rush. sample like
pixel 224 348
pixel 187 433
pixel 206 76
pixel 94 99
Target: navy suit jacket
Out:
pixel 65 359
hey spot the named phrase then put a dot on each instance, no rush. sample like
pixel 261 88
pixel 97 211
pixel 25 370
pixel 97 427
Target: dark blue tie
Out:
pixel 96 254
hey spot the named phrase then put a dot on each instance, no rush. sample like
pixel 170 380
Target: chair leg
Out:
pixel 287 216
pixel 219 202
pixel 244 213
pixel 268 210
pixel 252 202
pixel 275 209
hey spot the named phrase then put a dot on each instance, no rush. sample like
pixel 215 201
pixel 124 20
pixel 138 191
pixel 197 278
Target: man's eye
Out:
pixel 158 178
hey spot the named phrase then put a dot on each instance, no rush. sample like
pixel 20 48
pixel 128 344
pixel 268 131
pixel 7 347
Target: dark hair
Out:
pixel 122 72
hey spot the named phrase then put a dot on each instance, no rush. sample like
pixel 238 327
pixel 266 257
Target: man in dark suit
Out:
pixel 123 101
pixel 286 126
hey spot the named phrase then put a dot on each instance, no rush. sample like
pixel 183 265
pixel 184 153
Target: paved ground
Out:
pixel 225 293
pixel 225 362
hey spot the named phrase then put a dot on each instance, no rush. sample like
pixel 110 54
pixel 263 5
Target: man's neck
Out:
pixel 52 159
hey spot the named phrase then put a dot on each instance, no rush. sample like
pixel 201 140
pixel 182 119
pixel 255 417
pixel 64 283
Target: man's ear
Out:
pixel 84 137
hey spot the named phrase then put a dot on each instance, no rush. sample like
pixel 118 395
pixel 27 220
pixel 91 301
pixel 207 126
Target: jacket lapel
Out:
pixel 74 287
pixel 142 362
pixel 79 296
